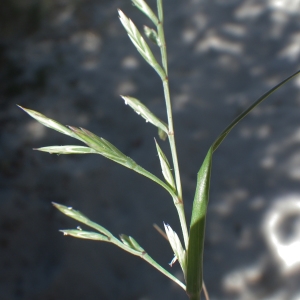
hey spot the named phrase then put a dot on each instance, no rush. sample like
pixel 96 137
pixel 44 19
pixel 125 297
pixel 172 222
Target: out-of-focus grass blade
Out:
pixel 88 235
pixel 197 226
pixel 70 149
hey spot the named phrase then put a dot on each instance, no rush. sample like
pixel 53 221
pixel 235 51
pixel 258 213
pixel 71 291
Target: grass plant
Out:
pixel 188 253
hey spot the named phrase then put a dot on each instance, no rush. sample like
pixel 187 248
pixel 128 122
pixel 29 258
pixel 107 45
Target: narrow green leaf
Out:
pixel 165 166
pixel 222 136
pixel 88 235
pixel 67 150
pixel 143 111
pixel 143 7
pixel 194 276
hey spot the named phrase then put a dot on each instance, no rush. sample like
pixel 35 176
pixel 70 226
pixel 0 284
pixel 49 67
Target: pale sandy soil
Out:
pixel 70 60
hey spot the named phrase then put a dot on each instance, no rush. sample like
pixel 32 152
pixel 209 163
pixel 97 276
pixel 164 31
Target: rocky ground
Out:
pixel 70 60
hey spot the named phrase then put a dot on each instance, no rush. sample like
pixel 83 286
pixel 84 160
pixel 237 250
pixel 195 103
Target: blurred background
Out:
pixel 70 60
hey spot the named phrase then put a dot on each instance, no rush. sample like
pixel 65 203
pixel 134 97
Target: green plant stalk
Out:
pixel 149 175
pixel 107 236
pixel 145 256
pixel 197 230
pixel 171 137
pixel 161 34
pixel 149 260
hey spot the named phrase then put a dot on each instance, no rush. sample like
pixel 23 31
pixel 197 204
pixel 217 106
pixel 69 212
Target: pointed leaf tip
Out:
pixel 144 8
pixel 225 132
pixel 50 123
pixel 165 166
pixel 143 111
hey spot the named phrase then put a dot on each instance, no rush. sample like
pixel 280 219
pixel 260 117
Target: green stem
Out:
pixel 145 256
pixel 152 262
pixel 194 297
pixel 171 136
pixel 181 214
pixel 149 175
pixel 161 34
pixel 177 201
pixel 165 80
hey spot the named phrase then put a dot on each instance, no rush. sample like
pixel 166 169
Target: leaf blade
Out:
pixel 197 229
pixel 225 132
